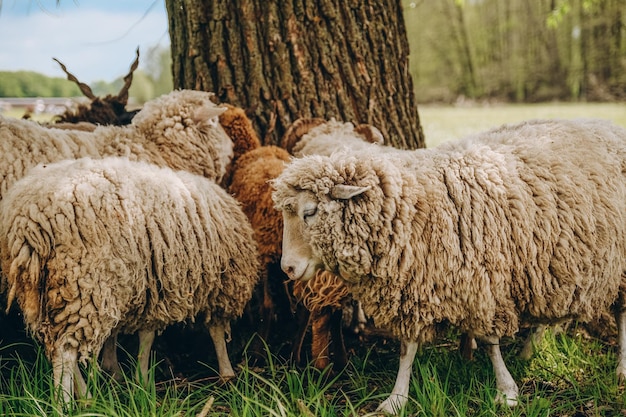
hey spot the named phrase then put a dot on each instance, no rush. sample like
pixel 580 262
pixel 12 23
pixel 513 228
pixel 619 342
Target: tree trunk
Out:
pixel 285 59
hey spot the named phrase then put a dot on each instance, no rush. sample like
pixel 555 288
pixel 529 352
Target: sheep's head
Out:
pixel 330 206
pixel 184 125
pixel 304 130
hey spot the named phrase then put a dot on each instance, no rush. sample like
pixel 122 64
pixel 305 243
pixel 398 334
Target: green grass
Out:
pixel 442 123
pixel 570 375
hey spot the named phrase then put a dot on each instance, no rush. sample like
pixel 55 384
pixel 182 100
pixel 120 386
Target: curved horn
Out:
pixel 84 88
pixel 298 129
pixel 371 133
pixel 128 79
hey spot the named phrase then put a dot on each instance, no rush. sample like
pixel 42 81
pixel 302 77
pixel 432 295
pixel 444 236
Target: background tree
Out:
pixel 518 50
pixel 285 59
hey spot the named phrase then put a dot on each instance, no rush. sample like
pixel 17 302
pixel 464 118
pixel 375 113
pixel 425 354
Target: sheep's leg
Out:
pixel 467 345
pixel 620 318
pixel 303 317
pixel 110 362
pixel 79 383
pixel 532 341
pixel 507 388
pixel 320 338
pixel 217 332
pixel 64 364
pixel 358 318
pixel 339 347
pixel 266 316
pixel 400 394
pixel 146 338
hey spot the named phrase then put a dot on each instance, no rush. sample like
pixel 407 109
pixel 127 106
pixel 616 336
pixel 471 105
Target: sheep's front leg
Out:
pixel 64 364
pixel 400 394
pixel 320 338
pixel 507 388
pixel 217 332
pixel 620 318
pixel 146 338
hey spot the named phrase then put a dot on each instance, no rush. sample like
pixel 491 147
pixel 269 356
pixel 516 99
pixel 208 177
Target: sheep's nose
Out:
pixel 289 270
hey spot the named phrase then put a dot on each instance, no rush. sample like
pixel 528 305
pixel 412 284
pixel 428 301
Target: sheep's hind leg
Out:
pixel 620 318
pixel 400 394
pixel 64 364
pixel 146 338
pixel 532 341
pixel 217 332
pixel 507 388
pixel 110 362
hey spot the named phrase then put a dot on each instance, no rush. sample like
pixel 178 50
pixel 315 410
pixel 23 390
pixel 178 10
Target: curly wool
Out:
pixel 524 222
pixel 325 290
pixel 177 130
pixel 240 130
pixel 89 246
pixel 251 188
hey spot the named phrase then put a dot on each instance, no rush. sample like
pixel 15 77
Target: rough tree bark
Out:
pixel 285 59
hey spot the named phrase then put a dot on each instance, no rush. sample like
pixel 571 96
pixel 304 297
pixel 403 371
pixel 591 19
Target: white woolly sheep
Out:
pixel 523 223
pixel 179 130
pixel 325 296
pixel 98 246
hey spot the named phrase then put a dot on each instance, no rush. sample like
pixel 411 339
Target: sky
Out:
pixel 95 39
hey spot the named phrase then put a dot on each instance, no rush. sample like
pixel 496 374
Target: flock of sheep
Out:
pixel 184 215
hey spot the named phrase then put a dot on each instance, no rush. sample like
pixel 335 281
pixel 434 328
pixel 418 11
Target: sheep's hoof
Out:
pixel 226 379
pixel 621 372
pixel 508 400
pixel 391 406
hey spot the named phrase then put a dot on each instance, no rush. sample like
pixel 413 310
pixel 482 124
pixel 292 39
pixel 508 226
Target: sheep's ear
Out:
pixel 346 192
pixel 206 114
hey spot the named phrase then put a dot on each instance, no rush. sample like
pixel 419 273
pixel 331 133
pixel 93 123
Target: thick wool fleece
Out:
pixel 240 130
pixel 524 222
pixel 179 130
pixel 325 290
pixel 251 188
pixel 89 246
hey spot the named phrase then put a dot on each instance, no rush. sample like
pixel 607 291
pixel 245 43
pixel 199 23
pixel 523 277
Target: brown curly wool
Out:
pixel 324 296
pixel 95 247
pixel 240 130
pixel 324 290
pixel 249 185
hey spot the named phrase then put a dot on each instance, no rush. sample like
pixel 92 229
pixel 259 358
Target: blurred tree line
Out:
pixel 152 79
pixel 517 50
pixel 510 50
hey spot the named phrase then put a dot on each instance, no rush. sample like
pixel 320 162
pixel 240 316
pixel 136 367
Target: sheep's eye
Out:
pixel 308 213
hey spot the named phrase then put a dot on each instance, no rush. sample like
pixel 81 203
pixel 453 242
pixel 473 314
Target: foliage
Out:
pixel 516 50
pixel 32 84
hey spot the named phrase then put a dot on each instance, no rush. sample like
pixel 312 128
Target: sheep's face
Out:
pixel 298 260
pixel 308 243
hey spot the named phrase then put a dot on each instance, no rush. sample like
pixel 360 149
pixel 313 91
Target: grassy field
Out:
pixel 442 123
pixel 571 375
